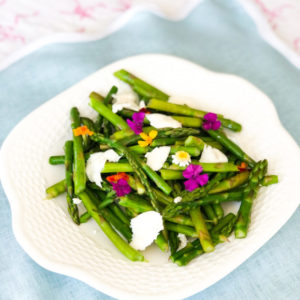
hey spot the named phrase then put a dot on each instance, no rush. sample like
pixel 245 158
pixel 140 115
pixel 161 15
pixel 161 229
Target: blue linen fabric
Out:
pixel 218 35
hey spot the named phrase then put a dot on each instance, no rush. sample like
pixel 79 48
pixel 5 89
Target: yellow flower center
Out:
pixel 182 155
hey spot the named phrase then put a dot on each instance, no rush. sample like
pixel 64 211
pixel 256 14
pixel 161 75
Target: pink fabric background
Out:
pixel 25 26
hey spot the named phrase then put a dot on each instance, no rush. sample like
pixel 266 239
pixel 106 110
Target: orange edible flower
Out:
pixel 118 176
pixel 147 139
pixel 243 167
pixel 82 130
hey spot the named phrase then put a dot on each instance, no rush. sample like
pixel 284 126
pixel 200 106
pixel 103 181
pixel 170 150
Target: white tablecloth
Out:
pixel 28 25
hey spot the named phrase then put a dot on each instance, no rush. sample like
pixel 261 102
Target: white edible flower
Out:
pixel 162 121
pixel 76 201
pixel 183 241
pixel 125 100
pixel 145 228
pixel 177 199
pixel 96 162
pixel 157 157
pixel 181 158
pixel 212 155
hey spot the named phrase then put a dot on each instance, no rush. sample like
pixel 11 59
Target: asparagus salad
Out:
pixel 148 170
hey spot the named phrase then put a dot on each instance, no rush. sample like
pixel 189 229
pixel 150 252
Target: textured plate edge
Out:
pixel 85 277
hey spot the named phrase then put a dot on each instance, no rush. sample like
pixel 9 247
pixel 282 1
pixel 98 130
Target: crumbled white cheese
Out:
pixel 76 201
pixel 125 100
pixel 162 121
pixel 177 199
pixel 145 228
pixel 142 104
pixel 157 157
pixel 212 155
pixel 96 162
pixel 182 240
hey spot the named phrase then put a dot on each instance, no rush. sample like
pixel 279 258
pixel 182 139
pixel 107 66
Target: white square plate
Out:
pixel 47 234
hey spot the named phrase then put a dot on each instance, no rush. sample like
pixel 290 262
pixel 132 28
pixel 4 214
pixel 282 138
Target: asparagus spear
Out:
pixel 219 235
pixel 119 213
pixel 139 187
pixel 255 177
pixel 72 208
pixel 161 242
pixel 180 219
pixel 230 183
pixel 201 229
pixel 269 179
pixel 56 189
pixel 175 209
pixel 188 111
pixel 136 202
pixel 185 121
pixel 173 241
pixel 193 151
pixel 96 102
pixel 223 229
pixel 187 230
pixel 161 133
pixel 107 100
pixel 123 247
pixel 141 87
pixel 210 213
pixel 57 160
pixel 231 146
pixel 84 217
pixel 79 176
pixel 193 141
pixel 218 209
pixel 209 167
pixel 171 174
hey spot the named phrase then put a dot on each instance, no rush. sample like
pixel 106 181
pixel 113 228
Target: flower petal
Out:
pixel 138 117
pixel 134 126
pixel 122 187
pixel 188 172
pixel 197 169
pixel 211 117
pixel 144 136
pixel 202 179
pixel 216 125
pixel 206 125
pixel 143 143
pixel 190 184
pixel 153 134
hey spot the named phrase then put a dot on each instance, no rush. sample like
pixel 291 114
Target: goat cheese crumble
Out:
pixel 145 228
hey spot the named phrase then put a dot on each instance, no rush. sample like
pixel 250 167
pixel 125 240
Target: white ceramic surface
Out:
pixel 48 235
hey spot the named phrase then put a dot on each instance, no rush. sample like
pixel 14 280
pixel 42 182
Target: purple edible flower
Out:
pixel 211 122
pixel 137 122
pixel 192 173
pixel 122 187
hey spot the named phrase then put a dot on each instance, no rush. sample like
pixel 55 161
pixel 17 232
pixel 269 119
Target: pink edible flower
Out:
pixel 192 173
pixel 137 122
pixel 211 122
pixel 121 187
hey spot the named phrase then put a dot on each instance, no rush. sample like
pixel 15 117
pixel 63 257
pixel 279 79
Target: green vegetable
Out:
pixel 72 208
pixel 250 193
pixel 141 87
pixel 123 247
pixel 79 176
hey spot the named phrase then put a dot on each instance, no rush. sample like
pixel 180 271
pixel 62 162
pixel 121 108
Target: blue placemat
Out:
pixel 220 36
